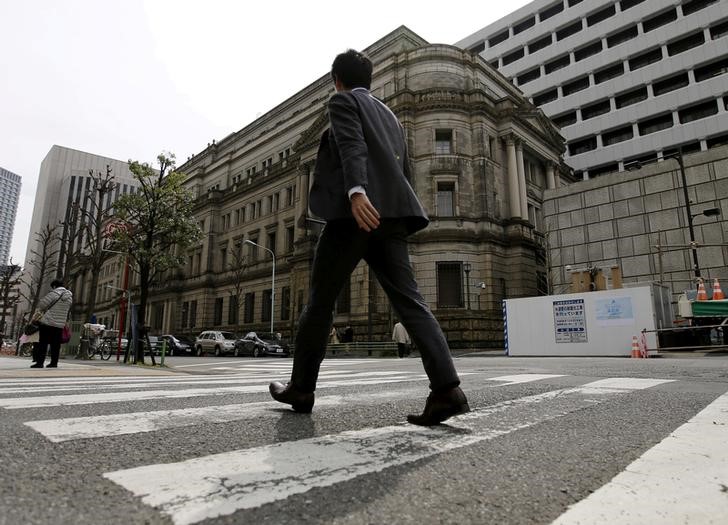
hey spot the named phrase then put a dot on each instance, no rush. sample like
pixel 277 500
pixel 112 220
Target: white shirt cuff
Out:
pixel 356 189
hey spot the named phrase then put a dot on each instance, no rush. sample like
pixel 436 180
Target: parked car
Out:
pixel 177 346
pixel 258 346
pixel 215 342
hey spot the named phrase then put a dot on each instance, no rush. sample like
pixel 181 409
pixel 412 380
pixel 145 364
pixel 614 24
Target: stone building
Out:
pixel 481 153
pixel 637 221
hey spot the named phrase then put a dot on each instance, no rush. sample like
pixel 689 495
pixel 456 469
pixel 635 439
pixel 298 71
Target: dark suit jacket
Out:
pixel 365 146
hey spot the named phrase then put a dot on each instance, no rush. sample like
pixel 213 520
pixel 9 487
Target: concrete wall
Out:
pixel 620 218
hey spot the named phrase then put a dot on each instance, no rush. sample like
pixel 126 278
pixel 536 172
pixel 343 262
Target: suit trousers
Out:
pixel 340 248
pixel 48 335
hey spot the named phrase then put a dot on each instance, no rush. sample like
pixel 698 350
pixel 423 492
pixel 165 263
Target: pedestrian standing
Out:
pixel 402 338
pixel 361 188
pixel 54 309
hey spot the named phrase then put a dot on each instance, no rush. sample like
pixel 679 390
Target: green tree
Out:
pixel 157 226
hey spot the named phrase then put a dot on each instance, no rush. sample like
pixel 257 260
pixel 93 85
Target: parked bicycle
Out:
pixel 97 344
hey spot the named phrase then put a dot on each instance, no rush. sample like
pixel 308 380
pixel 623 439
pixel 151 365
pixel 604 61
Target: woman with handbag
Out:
pixel 54 309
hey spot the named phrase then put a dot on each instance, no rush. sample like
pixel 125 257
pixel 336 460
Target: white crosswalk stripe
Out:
pixel 220 484
pixel 200 488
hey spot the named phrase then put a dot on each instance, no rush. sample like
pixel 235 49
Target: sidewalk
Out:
pixel 19 368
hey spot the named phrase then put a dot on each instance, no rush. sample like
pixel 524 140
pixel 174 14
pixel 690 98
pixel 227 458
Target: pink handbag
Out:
pixel 66 334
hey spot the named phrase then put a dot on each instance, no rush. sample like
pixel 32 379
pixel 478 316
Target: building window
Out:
pixel 713 69
pixel 690 7
pixel 719 30
pixel 478 48
pixel 659 20
pixel 551 11
pixel 574 86
pixel 569 30
pixel 185 313
pixel 546 97
pixel 608 73
pixel 627 4
pixel 253 250
pixel 718 140
pixel 684 44
pixel 615 136
pixel 290 238
pixel 528 76
pixel 689 147
pixel 656 124
pixel 266 306
pixel 343 301
pixel 539 44
pixel 594 110
pixel 272 242
pixel 445 199
pixel 587 51
pixel 285 303
pixel 193 314
pixel 497 39
pixel 600 16
pixel 217 312
pixel 622 36
pixel 645 59
pixel 449 285
pixel 512 57
pixel 582 146
pixel 670 84
pixel 443 141
pixel 601 170
pixel 565 119
pixel 631 97
pixel 520 27
pixel 249 307
pixel 557 64
pixel 698 111
pixel 233 310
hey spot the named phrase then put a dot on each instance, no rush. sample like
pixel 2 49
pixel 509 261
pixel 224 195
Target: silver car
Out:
pixel 215 342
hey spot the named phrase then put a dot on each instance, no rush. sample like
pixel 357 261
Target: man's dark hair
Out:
pixel 55 283
pixel 352 69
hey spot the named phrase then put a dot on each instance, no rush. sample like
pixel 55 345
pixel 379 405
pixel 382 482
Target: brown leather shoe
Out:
pixel 300 401
pixel 441 406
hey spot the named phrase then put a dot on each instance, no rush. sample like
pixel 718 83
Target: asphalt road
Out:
pixel 565 440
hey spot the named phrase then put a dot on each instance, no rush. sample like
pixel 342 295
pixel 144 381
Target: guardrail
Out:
pixel 363 348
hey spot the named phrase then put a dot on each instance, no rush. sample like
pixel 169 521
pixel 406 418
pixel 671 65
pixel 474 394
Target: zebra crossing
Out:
pixel 209 486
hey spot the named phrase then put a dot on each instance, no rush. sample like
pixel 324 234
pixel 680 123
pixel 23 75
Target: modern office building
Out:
pixel 625 80
pixel 481 155
pixel 9 194
pixel 64 182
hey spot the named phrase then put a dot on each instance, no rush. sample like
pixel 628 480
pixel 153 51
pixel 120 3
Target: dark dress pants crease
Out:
pixel 340 248
pixel 48 335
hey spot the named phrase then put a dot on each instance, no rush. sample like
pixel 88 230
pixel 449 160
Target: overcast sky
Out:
pixel 127 79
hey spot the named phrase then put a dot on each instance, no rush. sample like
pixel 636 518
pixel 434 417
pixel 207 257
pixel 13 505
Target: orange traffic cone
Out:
pixel 636 352
pixel 702 294
pixel 717 292
pixel 644 351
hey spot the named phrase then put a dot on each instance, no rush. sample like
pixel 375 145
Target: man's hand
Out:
pixel 366 215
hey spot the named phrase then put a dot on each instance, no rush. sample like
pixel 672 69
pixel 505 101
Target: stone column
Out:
pixel 522 181
pixel 513 193
pixel 551 176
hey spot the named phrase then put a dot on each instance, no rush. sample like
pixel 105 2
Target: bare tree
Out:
pixel 94 215
pixel 9 281
pixel 238 266
pixel 43 263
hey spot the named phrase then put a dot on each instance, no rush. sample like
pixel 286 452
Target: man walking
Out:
pixel 361 188
pixel 402 338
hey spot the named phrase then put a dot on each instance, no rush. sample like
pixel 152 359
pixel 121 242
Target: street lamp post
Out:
pixel 273 281
pixel 679 158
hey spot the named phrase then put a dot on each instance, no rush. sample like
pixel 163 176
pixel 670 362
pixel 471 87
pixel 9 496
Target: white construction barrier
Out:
pixel 598 323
